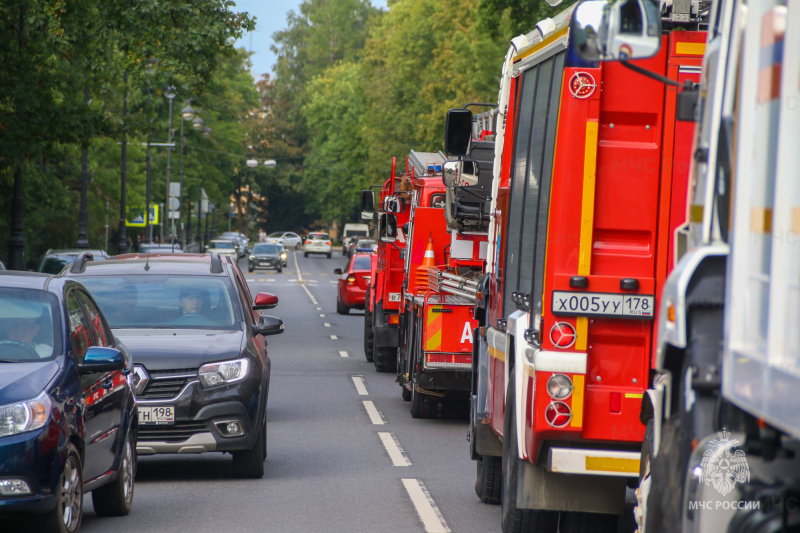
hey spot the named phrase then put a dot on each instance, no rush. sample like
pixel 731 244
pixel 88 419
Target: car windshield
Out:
pixel 55 263
pixel 358 233
pixel 361 262
pixel 175 302
pixel 265 249
pixel 29 325
pixel 277 235
pixel 222 244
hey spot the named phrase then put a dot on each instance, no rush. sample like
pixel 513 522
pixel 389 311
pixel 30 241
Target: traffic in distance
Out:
pixel 583 282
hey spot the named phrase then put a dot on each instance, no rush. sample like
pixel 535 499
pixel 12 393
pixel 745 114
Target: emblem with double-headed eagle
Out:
pixel 724 464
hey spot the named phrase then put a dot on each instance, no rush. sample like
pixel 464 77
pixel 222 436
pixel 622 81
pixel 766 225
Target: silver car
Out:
pixel 287 238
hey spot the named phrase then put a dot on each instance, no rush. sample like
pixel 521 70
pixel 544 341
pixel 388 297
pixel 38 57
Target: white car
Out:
pixel 318 243
pixel 287 238
pixel 224 246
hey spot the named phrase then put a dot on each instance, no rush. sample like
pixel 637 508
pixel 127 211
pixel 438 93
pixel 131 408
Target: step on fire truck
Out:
pixel 384 294
pixel 590 177
pixel 723 437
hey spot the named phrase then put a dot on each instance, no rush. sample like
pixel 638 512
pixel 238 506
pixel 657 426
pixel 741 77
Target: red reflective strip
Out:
pixel 616 402
pixel 463 359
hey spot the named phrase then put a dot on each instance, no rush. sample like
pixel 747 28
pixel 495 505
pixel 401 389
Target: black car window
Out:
pixel 54 265
pixel 29 325
pixel 265 249
pixel 80 332
pixel 102 335
pixel 165 301
pixel 361 262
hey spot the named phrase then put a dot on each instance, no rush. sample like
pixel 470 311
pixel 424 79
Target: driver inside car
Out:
pixel 193 305
pixel 24 331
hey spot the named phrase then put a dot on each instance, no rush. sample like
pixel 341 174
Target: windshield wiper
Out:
pixel 10 361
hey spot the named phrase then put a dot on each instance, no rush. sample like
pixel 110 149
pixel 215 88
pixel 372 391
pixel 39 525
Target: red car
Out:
pixel 353 283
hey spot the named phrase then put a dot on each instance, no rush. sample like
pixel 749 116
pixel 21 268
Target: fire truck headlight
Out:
pixel 559 386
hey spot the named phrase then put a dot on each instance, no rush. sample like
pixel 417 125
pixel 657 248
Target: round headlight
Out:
pixel 559 386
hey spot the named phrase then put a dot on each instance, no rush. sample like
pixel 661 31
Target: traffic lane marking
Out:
pixel 326 324
pixel 358 381
pixel 343 353
pixel 432 519
pixel 334 338
pixel 374 416
pixel 393 449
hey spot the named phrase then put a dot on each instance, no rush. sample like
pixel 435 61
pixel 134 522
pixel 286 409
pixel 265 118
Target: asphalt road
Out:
pixel 344 454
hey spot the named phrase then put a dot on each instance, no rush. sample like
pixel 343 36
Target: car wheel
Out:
pixel 329 255
pixel 116 498
pixel 250 269
pixel 297 246
pixel 67 516
pixel 305 254
pixel 250 463
pixel 341 309
pixel 280 269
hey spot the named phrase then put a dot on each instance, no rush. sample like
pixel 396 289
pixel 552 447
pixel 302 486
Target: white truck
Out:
pixel 723 410
pixel 350 235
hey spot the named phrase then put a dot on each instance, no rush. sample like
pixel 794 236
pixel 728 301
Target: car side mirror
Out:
pixel 101 359
pixel 265 300
pixel 608 30
pixel 268 325
pixel 388 227
pixel 337 271
pixel 457 132
pixel 367 204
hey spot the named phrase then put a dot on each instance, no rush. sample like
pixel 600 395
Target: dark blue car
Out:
pixel 67 412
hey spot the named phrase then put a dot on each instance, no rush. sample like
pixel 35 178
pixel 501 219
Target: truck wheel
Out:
pixel 574 522
pixel 116 498
pixel 369 333
pixel 406 394
pixel 422 406
pixel 489 480
pixel 515 520
pixel 385 359
pixel 645 484
pixel 668 469
pixel 250 463
pixel 68 513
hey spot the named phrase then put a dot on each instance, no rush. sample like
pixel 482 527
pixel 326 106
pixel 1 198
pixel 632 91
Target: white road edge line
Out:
pixel 428 512
pixel 343 353
pixel 313 300
pixel 393 449
pixel 374 416
pixel 358 381
pixel 297 267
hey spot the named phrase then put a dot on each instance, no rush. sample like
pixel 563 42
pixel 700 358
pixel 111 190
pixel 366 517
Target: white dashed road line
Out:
pixel 326 324
pixel 313 300
pixel 322 315
pixel 334 338
pixel 343 353
pixel 374 416
pixel 393 449
pixel 431 517
pixel 358 381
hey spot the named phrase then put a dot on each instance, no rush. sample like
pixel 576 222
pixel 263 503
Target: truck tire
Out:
pixel 385 359
pixel 406 394
pixel 116 498
pixel 489 479
pixel 422 406
pixel 369 332
pixel 668 469
pixel 515 520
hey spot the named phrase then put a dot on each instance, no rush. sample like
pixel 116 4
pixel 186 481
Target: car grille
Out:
pixel 177 432
pixel 166 385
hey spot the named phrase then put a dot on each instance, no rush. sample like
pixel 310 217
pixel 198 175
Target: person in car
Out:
pixel 194 307
pixel 23 331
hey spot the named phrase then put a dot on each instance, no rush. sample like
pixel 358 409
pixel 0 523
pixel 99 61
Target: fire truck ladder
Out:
pixel 454 284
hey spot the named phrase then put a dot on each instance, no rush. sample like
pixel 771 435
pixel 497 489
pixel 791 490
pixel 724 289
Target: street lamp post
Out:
pixel 83 214
pixel 169 92
pixel 122 246
pixel 148 229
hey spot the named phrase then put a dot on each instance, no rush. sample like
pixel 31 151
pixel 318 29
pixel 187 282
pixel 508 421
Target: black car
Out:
pixel 67 412
pixel 197 338
pixel 266 255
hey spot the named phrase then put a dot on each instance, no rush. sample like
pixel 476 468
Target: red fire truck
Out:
pixel 590 177
pixel 384 294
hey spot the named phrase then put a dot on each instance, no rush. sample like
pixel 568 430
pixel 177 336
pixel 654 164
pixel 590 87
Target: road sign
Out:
pixel 174 204
pixel 174 189
pixel 136 216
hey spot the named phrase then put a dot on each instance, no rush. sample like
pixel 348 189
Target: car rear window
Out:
pixel 159 301
pixel 361 262
pixel 29 325
pixel 223 244
pixel 318 236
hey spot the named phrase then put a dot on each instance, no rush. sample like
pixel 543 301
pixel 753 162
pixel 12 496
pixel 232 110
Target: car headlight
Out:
pixel 25 416
pixel 283 256
pixel 214 374
pixel 252 257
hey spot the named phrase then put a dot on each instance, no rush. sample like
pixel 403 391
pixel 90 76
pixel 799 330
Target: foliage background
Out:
pixel 353 86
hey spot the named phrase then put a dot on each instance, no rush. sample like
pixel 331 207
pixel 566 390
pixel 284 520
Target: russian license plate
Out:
pixel 394 297
pixel 603 304
pixel 157 415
